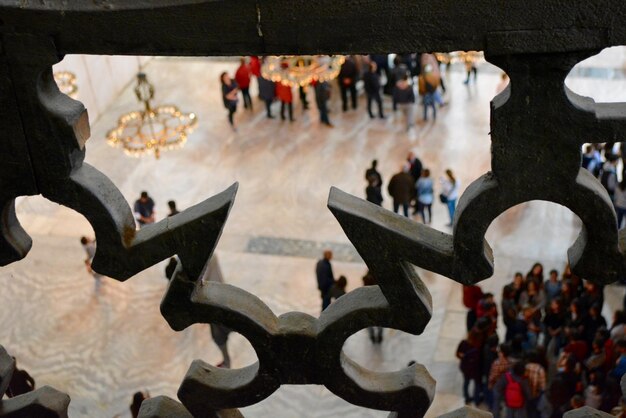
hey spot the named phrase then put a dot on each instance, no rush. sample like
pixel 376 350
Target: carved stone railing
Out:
pixel 537 129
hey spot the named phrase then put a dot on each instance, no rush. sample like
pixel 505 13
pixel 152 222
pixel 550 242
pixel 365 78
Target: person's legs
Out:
pixel 432 104
pixel 405 207
pixel 451 208
pixel 429 208
pixel 466 395
pixel 353 95
pixel 325 301
pixel 231 112
pixel 420 210
pixel 324 114
pixel 396 206
pixel 224 350
pixel 620 216
pixel 305 103
pixel 369 106
pixel 282 110
pixel 379 100
pixel 409 116
pixel 268 106
pixel 344 96
pixel 290 109
pixel 478 390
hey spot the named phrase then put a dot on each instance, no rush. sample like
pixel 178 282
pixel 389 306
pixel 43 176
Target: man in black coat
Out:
pixel 371 83
pixel 348 75
pixel 325 277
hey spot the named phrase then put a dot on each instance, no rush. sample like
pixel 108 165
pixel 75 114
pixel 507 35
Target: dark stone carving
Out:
pixel 44 402
pixel 538 126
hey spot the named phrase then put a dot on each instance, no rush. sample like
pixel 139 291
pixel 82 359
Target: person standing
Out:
pixel 325 277
pixel 219 333
pixel 404 98
pixel 620 201
pixel 242 77
pixel 89 245
pixel 144 210
pixel 322 94
pixel 424 188
pixel 372 171
pixel 267 93
pixel 373 191
pixel 470 65
pixel 450 187
pixel 371 83
pixel 347 78
pixel 229 96
pixel 284 94
pixel 173 211
pixel 401 188
pixel 608 178
pixel 428 84
pixel 469 353
pixel 302 94
pixel 375 332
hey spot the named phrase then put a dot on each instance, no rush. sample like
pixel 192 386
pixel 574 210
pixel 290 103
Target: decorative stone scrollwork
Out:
pixel 538 127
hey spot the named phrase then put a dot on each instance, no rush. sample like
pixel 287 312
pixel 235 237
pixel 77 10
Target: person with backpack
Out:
pixel 513 389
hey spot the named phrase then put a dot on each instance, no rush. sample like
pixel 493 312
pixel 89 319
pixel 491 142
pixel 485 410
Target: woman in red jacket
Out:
pixel 283 92
pixel 242 77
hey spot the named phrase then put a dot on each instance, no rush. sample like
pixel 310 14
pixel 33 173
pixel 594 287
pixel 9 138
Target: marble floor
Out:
pixel 100 348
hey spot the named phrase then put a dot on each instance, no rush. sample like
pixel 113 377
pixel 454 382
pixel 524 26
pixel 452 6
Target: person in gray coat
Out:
pixel 267 89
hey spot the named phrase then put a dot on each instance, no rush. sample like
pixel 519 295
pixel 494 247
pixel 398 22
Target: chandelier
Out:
pixel 66 81
pixel 152 129
pixel 301 70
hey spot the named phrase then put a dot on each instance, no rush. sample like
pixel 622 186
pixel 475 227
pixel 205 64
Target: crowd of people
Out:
pixel 413 186
pixel 409 74
pixel 558 352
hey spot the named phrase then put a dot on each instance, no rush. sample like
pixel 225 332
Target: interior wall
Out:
pixel 101 78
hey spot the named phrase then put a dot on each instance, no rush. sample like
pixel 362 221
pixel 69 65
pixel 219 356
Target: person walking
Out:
pixel 267 93
pixel 348 75
pixel 401 188
pixel 470 65
pixel 89 245
pixel 322 94
pixel 428 82
pixel 325 277
pixel 284 94
pixel 229 96
pixel 450 193
pixel 371 84
pixel 144 210
pixel 242 77
pixel 424 188
pixel 404 98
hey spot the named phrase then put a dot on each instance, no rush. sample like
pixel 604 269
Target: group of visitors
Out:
pixel 332 289
pixel 558 352
pixel 410 73
pixel 413 186
pixel 602 162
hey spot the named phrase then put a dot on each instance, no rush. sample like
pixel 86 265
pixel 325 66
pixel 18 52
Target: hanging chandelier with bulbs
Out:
pixel 301 70
pixel 153 129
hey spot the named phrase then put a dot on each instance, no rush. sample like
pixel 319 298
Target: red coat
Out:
pixel 255 66
pixel 471 296
pixel 242 76
pixel 283 92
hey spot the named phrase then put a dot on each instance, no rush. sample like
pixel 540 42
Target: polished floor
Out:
pixel 101 347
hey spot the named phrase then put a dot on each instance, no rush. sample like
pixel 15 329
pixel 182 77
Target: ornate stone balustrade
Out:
pixel 537 129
